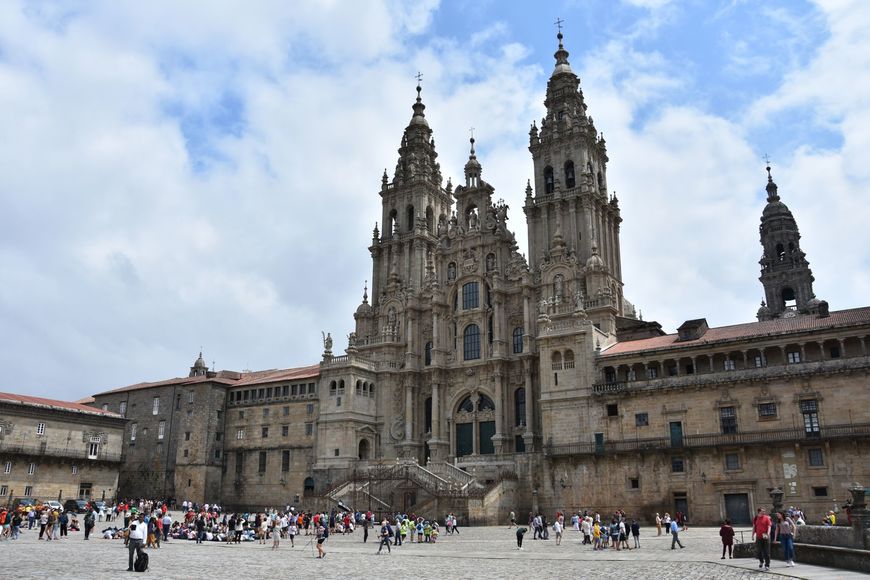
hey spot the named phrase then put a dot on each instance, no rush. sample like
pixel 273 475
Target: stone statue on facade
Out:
pixel 327 342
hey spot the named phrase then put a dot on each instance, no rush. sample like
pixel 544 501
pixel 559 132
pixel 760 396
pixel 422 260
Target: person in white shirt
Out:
pixel 557 529
pixel 138 530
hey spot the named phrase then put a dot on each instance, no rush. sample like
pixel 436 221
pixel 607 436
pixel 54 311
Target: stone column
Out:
pixel 529 435
pixel 409 412
pixel 498 390
pixel 436 412
pixel 803 352
pixel 709 363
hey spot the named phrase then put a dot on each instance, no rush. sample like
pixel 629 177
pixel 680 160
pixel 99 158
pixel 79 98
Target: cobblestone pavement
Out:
pixel 475 553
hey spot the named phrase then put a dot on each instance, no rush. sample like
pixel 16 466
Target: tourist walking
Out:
pixel 675 535
pixel 726 532
pixel 321 534
pixel 276 533
pixel 135 539
pixel 785 533
pixel 512 520
pixel 761 527
pixel 635 533
pixel 557 529
pixel 386 532
pixel 658 525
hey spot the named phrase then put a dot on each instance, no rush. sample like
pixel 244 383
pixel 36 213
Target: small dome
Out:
pixel 199 364
pixel 764 311
pixel 364 309
pixel 595 262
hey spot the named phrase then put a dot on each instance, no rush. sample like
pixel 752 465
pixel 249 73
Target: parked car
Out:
pixel 75 506
pixel 53 504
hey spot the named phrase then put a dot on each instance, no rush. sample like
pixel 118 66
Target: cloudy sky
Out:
pixel 206 174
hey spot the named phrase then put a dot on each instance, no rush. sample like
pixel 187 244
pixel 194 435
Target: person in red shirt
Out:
pixel 761 532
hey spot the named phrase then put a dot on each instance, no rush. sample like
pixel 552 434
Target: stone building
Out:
pixel 57 450
pixel 478 380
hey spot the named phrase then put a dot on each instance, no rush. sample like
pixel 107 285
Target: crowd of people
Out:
pixel 601 534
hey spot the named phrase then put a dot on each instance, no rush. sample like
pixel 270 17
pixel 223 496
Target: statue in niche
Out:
pixel 558 287
pixel 473 220
pixel 490 262
pixel 451 271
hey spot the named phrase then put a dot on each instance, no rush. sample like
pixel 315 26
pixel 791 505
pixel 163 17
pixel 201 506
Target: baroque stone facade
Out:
pixel 57 450
pixel 476 379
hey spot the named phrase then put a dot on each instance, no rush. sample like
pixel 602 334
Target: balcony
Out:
pixel 789 371
pixel 60 453
pixel 706 440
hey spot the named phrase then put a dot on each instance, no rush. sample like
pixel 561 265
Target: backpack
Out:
pixel 141 564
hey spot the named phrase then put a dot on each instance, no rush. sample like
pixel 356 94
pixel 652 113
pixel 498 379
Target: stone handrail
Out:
pixel 708 440
pixel 791 370
pixel 37 450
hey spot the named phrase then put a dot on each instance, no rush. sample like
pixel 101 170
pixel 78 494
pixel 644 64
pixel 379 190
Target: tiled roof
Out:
pixel 230 378
pixel 767 328
pixel 28 401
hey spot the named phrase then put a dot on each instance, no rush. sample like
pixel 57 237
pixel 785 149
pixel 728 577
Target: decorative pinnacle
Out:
pixel 366 292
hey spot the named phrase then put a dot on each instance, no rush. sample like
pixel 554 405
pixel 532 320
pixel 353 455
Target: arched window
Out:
pixel 557 361
pixel 466 406
pixel 372 390
pixel 471 342
pixel 470 295
pixel 332 387
pixel 409 211
pixel 427 354
pixel 427 415
pixel 430 220
pixel 518 340
pixel 570 181
pixel 341 386
pixel 569 359
pixel 364 449
pixel 392 224
pixel 549 181
pixel 359 387
pixel 484 403
pixel 309 485
pixel 520 407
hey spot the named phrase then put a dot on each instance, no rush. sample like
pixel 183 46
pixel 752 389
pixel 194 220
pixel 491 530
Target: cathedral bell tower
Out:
pixel 785 271
pixel 572 222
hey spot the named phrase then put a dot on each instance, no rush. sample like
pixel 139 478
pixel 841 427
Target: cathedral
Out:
pixel 480 382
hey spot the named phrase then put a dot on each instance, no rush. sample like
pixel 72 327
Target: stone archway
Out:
pixel 364 449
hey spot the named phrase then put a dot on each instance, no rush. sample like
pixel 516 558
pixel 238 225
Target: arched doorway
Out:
pixel 364 449
pixel 475 425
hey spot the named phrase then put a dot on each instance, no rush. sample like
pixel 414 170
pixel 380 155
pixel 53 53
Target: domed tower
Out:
pixel 199 368
pixel 785 271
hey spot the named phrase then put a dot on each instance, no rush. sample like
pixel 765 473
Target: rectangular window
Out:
pixel 7 467
pixel 266 412
pixel 261 468
pixel 732 461
pixel 186 453
pixel 338 401
pixel 217 436
pixel 133 428
pixel 677 464
pixel 835 352
pixel 634 483
pixel 189 397
pixel 161 429
pixel 470 295
pixel 187 435
pixel 285 430
pixel 178 402
pixel 93 450
pixel 189 413
pixel 672 371
pixel 286 411
pixel 40 429
pixel 613 410
pixel 335 452
pixel 311 388
pixel 31 469
pixel 265 431
pixel 155 406
pixel 122 408
pixel 75 470
pixel 269 393
pixel 4 490
pixel 652 373
pixel 105 406
pixel 261 393
pixel 641 419
pixel 793 357
pixel 728 418
pixel 293 390
pixel 816 457
pixel 285 390
pixel 810 412
pixel 631 375
pixel 309 429
pixel 820 491
pixel 730 365
pixel 240 434
pixel 28 490
pixel 309 408
pixel 241 414
pixel 217 454
pixel 285 460
pixel 766 410
pixel 760 361
pixel 240 461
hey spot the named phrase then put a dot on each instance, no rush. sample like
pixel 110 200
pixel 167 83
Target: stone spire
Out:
pixel 417 151
pixel 473 168
pixel 785 271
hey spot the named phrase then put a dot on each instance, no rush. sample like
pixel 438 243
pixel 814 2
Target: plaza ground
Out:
pixel 488 552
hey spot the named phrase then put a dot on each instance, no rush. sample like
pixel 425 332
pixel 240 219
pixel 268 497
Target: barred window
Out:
pixel 471 342
pixel 518 340
pixel 766 410
pixel 728 417
pixel 470 295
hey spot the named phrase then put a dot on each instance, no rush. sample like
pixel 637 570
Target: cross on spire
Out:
pixel 419 77
pixel 471 131
pixel 767 161
pixel 558 24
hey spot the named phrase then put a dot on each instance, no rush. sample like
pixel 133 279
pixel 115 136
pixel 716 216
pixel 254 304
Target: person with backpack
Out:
pixel 675 535
pixel 16 524
pixel 386 533
pixel 89 522
pixel 63 520
pixel 137 532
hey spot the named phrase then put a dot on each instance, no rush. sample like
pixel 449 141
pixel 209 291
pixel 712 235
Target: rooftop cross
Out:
pixel 419 77
pixel 558 24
